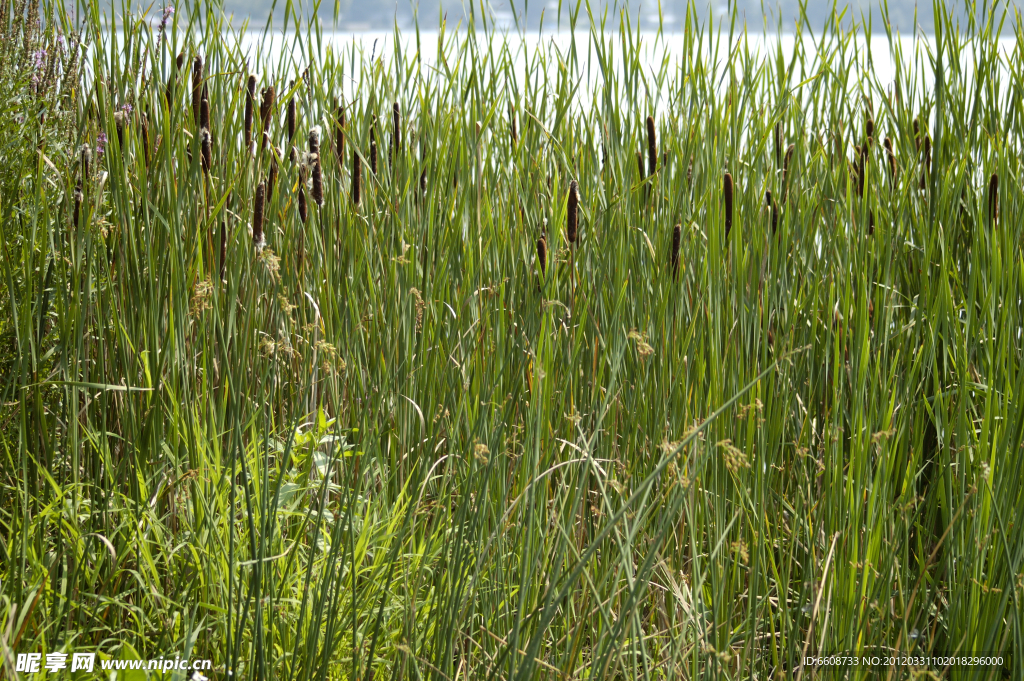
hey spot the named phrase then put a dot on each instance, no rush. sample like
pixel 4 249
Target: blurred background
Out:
pixel 375 15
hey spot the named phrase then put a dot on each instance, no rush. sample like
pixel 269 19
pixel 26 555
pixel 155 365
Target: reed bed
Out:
pixel 533 418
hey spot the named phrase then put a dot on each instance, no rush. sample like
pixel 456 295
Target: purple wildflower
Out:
pixel 101 143
pixel 127 108
pixel 39 59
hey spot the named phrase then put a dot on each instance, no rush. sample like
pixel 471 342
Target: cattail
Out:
pixel 774 208
pixel 869 128
pixel 652 147
pixel 314 143
pixel 204 110
pixel 317 191
pixel 266 108
pixel 396 134
pixel 357 168
pixel 993 199
pixel 179 61
pixel 917 135
pixel 863 168
pixel 197 87
pixel 423 181
pixel 677 236
pixel 250 103
pixel 572 214
pixel 272 178
pixel 119 118
pixel 778 144
pixel 373 149
pixel 78 207
pixel 339 132
pixel 223 248
pixel 727 195
pixel 257 216
pixel 542 255
pixel 206 149
pixel 86 160
pixel 512 122
pixel 785 170
pixel 891 156
pixel 291 116
pixel 144 129
pixel 640 165
pixel 303 209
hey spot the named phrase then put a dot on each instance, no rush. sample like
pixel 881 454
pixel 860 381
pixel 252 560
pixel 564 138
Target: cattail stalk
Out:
pixel 572 217
pixel 266 108
pixel 250 104
pixel 197 87
pixel 257 216
pixel 652 147
pixel 677 236
pixel 357 171
pixel 727 189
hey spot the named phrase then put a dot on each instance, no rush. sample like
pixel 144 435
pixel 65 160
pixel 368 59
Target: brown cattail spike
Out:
pixel 677 237
pixel 891 157
pixel 78 207
pixel 119 120
pixel 774 208
pixel 317 190
pixel 373 149
pixel 197 87
pixel 787 162
pixel 204 110
pixel 257 216
pixel 993 199
pixel 303 208
pixel 314 143
pixel 291 116
pixel 652 147
pixel 272 178
pixel 640 165
pixel 778 144
pixel 250 104
pixel 266 109
pixel 869 128
pixel 423 181
pixel 206 148
pixel 727 189
pixel 86 160
pixel 396 131
pixel 572 214
pixel 144 129
pixel 357 167
pixel 542 255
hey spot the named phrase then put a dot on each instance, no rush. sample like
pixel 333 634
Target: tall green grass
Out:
pixel 387 443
